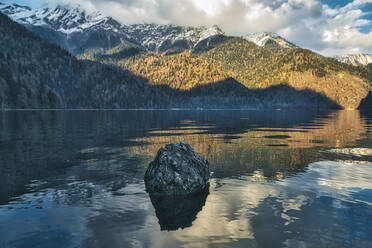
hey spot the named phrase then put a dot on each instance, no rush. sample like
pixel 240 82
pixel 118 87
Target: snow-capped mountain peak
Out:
pixel 63 18
pixel 161 38
pixel 72 21
pixel 69 26
pixel 13 9
pixel 207 32
pixel 265 38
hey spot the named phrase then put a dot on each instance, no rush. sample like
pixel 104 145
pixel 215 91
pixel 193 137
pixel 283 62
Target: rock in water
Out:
pixel 177 170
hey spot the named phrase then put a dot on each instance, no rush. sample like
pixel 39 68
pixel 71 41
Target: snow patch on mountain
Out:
pixel 265 38
pixel 205 33
pixel 154 37
pixel 13 9
pixel 355 59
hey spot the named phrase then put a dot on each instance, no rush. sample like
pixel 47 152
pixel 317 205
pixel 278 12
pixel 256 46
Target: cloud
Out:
pixel 336 32
pixel 308 23
pixel 234 16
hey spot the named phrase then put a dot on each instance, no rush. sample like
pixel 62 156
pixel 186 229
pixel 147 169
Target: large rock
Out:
pixel 177 170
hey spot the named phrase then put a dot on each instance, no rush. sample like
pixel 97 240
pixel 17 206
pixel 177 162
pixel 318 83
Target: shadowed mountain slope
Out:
pixel 37 74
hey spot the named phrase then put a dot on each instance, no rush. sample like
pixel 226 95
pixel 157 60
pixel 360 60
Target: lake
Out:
pixel 279 179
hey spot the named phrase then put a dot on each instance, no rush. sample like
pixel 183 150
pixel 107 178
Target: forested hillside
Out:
pixel 253 66
pixel 256 67
pixel 37 74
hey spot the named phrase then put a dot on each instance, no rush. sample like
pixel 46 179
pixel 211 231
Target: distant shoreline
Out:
pixel 170 109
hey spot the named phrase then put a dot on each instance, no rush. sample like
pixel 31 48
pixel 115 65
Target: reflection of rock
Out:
pixel 176 212
pixel 177 170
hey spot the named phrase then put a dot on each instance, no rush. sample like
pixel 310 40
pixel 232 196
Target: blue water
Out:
pixel 75 179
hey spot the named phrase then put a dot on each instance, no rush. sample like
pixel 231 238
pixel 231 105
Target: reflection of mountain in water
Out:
pixel 176 212
pixel 274 142
pixel 113 148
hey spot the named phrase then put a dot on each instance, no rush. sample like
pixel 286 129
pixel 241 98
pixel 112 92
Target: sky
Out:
pixel 329 27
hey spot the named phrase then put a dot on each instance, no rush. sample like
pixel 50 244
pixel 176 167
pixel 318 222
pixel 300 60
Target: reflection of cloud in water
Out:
pixel 359 152
pixel 335 179
pixel 330 203
pixel 243 209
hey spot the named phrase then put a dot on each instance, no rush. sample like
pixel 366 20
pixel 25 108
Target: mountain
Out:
pixel 299 68
pixel 356 59
pixel 60 18
pixel 264 39
pixel 170 38
pixel 79 31
pixel 71 28
pixel 127 66
pixel 37 74
pixel 254 67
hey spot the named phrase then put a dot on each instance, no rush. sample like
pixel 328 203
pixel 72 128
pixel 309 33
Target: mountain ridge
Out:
pixel 36 74
pixel 69 22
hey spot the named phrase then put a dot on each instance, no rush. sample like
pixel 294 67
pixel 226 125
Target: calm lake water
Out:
pixel 75 179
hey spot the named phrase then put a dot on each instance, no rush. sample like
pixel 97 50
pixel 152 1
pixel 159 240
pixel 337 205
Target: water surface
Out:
pixel 75 179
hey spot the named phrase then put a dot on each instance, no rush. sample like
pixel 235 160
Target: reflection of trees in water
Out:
pixel 36 145
pixel 258 148
pixel 26 149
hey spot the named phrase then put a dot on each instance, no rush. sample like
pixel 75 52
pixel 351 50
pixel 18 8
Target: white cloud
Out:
pixel 335 32
pixel 308 23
